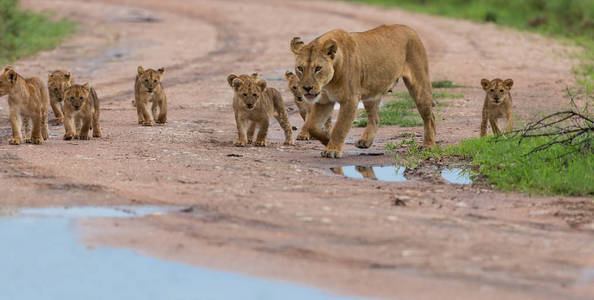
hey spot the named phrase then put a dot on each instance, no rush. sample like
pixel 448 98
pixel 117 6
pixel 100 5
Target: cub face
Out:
pixel 78 96
pixel 293 83
pixel 149 79
pixel 57 82
pixel 314 66
pixel 7 80
pixel 247 88
pixel 497 89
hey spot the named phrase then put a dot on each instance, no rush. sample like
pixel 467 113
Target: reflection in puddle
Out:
pixel 40 258
pixel 396 173
pixel 382 173
pixel 94 211
pixel 456 176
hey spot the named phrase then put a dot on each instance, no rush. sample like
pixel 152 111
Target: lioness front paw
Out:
pixel 28 141
pixel 261 143
pixel 162 120
pixel 240 143
pixel 148 123
pixel 289 143
pixel 331 153
pixel 363 144
pixel 15 141
pixel 36 140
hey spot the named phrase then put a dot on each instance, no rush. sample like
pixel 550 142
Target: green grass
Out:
pixel 23 33
pixel 444 84
pixel 566 19
pixel 505 163
pixel 401 112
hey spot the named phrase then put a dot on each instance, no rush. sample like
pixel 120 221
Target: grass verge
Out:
pixel 506 164
pixel 23 33
pixel 566 19
pixel 402 111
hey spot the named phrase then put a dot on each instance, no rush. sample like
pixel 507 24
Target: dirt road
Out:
pixel 278 211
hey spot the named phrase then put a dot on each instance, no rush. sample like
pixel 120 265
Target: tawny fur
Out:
pixel 351 67
pixel 28 104
pixel 253 105
pixel 498 104
pixel 148 88
pixel 81 112
pixel 303 106
pixel 57 82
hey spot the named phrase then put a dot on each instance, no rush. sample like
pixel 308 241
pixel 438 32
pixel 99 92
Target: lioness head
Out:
pixel 314 65
pixel 247 88
pixel 7 79
pixel 497 89
pixel 57 82
pixel 293 83
pixel 78 96
pixel 149 79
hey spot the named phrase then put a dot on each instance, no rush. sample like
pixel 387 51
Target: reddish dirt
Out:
pixel 278 211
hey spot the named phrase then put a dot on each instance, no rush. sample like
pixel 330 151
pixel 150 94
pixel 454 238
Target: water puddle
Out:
pixel 397 173
pixel 381 173
pixel 41 258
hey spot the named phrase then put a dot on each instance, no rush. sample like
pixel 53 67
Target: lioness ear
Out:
pixel 330 48
pixel 508 83
pixel 230 79
pixel 161 70
pixel 86 86
pixel 485 84
pixel 140 70
pixel 262 85
pixel 296 45
pixel 288 75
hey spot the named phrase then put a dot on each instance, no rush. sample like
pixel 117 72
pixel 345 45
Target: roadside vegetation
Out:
pixel 23 33
pixel 571 20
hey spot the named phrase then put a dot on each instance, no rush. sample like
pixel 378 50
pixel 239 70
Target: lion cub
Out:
pixel 253 103
pixel 147 89
pixel 57 82
pixel 81 109
pixel 27 101
pixel 304 106
pixel 498 104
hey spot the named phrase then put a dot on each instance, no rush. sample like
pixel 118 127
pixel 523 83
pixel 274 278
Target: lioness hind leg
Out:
pixel 419 86
pixel 373 119
pixel 250 132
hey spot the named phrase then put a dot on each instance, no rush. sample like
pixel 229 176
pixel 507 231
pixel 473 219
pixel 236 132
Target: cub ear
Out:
pixel 262 85
pixel 67 75
pixel 296 45
pixel 140 70
pixel 50 75
pixel 161 70
pixel 86 85
pixel 508 83
pixel 236 83
pixel 288 75
pixel 255 75
pixel 230 79
pixel 330 48
pixel 11 74
pixel 485 84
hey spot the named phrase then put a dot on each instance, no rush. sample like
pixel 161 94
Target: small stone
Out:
pixel 392 218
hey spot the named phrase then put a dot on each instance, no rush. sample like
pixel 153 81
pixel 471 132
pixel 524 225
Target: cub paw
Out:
pixel 97 134
pixel 260 143
pixel 239 143
pixel 162 120
pixel 302 136
pixel 363 144
pixel 28 141
pixel 148 123
pixel 331 153
pixel 37 140
pixel 14 141
pixel 289 143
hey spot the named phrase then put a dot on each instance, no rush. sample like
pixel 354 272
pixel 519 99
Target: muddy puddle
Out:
pixel 41 258
pixel 453 175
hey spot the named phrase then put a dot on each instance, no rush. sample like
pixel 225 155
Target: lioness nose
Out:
pixel 250 105
pixel 308 88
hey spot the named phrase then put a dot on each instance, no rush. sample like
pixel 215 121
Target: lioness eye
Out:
pixel 318 69
pixel 146 80
pixel 501 91
pixel 255 95
pixel 71 98
pixel 295 88
pixel 244 94
pixel 80 97
pixel 492 90
pixel 155 81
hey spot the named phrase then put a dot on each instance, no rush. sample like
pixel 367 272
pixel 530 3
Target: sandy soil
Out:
pixel 278 211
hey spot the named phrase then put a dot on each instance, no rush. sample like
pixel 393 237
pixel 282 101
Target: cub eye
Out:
pixel 146 80
pixel 318 69
pixel 300 69
pixel 155 81
pixel 492 90
pixel 294 88
pixel 72 98
pixel 501 91
pixel 244 94
pixel 255 95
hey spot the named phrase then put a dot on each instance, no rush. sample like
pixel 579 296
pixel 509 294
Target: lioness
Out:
pixel 498 104
pixel 81 109
pixel 148 88
pixel 57 82
pixel 27 101
pixel 253 102
pixel 303 106
pixel 349 67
